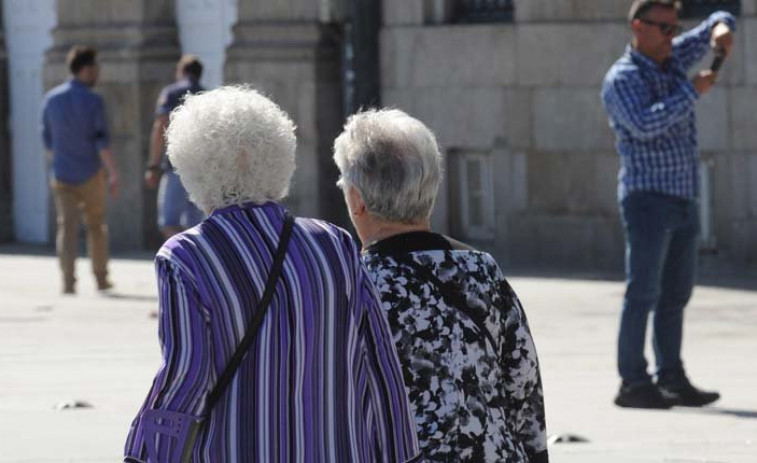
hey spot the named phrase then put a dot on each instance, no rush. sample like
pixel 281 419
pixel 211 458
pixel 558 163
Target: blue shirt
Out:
pixel 75 129
pixel 172 95
pixel 652 111
pixel 171 98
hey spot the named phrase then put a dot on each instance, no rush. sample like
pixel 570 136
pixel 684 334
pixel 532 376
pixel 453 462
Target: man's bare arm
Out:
pixel 722 38
pixel 152 176
pixel 106 155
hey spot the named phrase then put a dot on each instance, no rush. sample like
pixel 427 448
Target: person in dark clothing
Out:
pixel 651 104
pixel 176 212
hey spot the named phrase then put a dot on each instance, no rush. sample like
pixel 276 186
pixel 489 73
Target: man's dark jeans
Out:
pixel 661 256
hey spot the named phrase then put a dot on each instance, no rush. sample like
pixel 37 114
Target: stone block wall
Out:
pixel 570 10
pixel 727 125
pixel 293 56
pixel 533 86
pixel 6 204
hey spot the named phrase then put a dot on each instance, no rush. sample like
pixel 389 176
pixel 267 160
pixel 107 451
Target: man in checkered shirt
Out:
pixel 651 105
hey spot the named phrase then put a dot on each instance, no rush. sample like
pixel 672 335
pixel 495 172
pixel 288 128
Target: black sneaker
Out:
pixel 687 395
pixel 641 395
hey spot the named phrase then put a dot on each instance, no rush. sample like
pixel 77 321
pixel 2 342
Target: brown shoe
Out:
pixel 104 285
pixel 69 285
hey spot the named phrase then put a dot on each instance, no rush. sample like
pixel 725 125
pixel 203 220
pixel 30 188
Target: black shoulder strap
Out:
pixel 257 319
pixel 453 295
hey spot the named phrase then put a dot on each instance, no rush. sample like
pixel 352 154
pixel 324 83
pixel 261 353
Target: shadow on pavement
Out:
pixel 20 249
pixel 745 280
pixel 44 250
pixel 735 412
pixel 131 297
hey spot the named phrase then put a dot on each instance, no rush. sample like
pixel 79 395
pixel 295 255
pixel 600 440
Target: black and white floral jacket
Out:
pixel 467 355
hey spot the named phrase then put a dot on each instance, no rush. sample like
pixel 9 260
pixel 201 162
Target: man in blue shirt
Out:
pixel 175 211
pixel 75 134
pixel 651 106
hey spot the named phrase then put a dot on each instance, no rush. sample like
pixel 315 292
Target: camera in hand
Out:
pixel 717 61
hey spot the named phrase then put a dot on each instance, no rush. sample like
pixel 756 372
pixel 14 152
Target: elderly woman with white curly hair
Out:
pixel 274 345
pixel 468 359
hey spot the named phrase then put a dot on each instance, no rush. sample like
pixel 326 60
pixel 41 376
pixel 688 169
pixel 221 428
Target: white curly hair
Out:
pixel 230 146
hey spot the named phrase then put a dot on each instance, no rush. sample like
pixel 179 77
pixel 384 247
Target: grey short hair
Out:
pixel 230 146
pixel 640 7
pixel 393 160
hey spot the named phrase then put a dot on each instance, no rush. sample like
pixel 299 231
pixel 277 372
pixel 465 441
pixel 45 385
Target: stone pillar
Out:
pixel 291 51
pixel 138 49
pixel 735 196
pixel 6 200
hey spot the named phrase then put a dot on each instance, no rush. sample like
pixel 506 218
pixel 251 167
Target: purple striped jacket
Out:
pixel 322 381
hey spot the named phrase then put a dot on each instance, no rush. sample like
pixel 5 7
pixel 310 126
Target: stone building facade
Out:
pixel 511 94
pixel 290 50
pixel 6 208
pixel 532 169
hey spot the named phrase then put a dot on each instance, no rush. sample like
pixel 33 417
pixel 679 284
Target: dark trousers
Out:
pixel 661 257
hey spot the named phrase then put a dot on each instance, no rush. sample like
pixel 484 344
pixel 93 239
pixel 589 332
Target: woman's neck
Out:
pixel 384 230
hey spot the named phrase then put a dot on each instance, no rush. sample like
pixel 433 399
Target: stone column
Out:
pixel 291 51
pixel 138 48
pixel 735 204
pixel 6 200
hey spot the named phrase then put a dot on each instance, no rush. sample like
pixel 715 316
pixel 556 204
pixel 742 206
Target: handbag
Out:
pixel 182 428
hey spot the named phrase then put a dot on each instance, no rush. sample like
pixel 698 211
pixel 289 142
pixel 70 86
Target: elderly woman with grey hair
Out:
pixel 274 345
pixel 467 355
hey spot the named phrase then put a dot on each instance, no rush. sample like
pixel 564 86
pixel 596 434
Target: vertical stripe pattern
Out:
pixel 322 381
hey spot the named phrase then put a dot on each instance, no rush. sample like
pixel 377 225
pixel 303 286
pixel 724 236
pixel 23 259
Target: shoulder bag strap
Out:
pixel 453 294
pixel 257 319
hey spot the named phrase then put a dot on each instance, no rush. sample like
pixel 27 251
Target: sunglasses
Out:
pixel 667 29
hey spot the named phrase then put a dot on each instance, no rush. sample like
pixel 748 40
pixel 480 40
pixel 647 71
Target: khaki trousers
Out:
pixel 70 201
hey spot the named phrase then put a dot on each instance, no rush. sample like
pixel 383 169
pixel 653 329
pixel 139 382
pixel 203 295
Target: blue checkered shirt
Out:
pixel 652 111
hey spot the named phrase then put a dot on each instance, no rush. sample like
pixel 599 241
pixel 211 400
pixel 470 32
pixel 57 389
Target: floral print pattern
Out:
pixel 468 359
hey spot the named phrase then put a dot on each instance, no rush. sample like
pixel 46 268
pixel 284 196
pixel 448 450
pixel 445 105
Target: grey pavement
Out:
pixel 104 351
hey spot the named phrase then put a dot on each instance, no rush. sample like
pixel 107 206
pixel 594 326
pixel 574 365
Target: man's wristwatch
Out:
pixel 154 168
